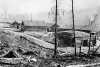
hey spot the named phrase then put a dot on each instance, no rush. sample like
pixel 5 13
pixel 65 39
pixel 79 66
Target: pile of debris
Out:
pixel 19 46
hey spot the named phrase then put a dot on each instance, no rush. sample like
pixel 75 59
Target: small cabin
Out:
pixel 15 24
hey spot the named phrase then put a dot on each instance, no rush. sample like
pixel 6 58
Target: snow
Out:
pixel 66 50
pixel 33 39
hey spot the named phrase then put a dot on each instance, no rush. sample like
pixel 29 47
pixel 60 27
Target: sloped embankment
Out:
pixel 23 45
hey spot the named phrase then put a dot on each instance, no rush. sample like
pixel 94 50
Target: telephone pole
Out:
pixel 56 20
pixel 73 25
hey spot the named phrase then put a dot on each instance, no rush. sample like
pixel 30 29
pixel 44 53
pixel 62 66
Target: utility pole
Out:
pixel 5 15
pixel 73 25
pixel 91 22
pixel 56 20
pixel 31 18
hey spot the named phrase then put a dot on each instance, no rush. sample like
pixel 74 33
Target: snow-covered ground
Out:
pixel 4 25
pixel 66 50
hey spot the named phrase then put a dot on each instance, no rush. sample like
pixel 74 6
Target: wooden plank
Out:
pixel 85 65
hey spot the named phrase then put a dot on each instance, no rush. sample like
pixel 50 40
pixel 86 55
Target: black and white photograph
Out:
pixel 49 33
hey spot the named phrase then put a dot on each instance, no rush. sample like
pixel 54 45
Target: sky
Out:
pixel 24 6
pixel 38 6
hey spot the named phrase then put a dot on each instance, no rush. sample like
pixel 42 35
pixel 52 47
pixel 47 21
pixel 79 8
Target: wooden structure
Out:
pixel 15 24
